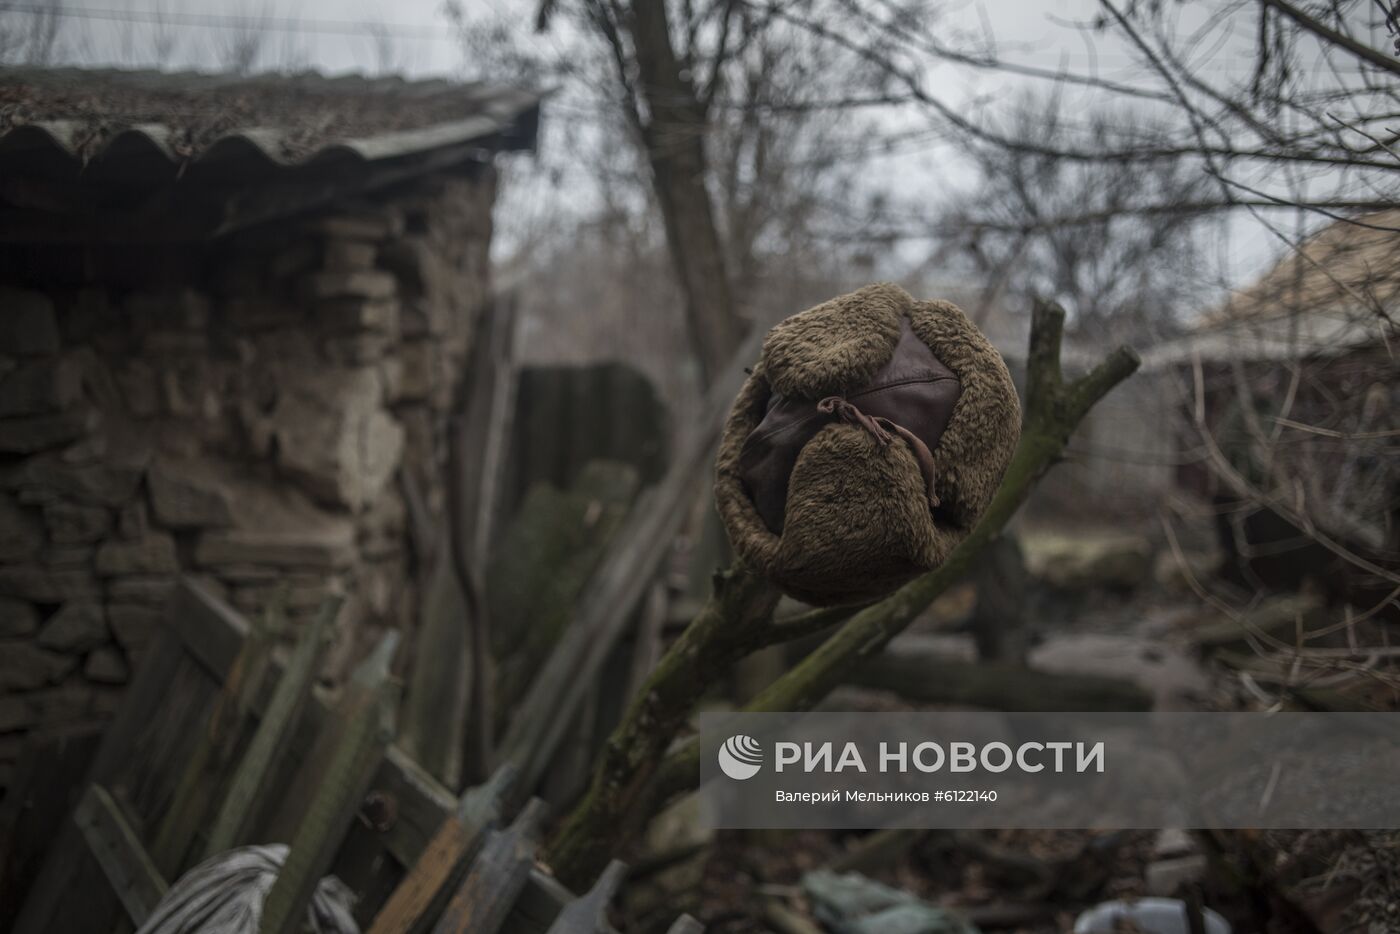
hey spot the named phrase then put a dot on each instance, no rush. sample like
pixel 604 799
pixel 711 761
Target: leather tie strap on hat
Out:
pixel 880 429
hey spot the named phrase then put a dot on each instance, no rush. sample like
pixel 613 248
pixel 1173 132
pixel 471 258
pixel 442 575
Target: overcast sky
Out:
pixel 333 36
pixel 1033 31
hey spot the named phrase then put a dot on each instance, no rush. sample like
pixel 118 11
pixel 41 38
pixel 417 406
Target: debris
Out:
pixel 1149 915
pixel 225 894
pixel 853 904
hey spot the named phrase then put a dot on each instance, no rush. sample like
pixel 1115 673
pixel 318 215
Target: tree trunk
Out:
pixel 673 130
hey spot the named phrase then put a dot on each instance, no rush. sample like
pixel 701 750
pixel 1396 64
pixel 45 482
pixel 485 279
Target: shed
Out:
pixel 1293 385
pixel 233 314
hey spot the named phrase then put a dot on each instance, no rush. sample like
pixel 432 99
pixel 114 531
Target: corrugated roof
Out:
pixel 78 121
pixel 1346 265
pixel 1339 291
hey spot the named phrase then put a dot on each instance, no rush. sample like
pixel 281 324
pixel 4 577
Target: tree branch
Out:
pixel 1323 31
pixel 631 778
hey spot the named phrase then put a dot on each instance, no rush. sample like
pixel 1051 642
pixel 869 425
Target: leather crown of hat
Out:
pixel 865 444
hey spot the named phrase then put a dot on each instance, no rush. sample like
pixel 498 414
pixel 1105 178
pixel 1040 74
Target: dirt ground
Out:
pixel 1038 882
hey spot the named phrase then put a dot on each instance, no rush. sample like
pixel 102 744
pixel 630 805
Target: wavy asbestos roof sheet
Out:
pixel 1339 291
pixel 135 120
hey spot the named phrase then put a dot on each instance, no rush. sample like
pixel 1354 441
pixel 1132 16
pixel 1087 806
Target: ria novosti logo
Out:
pixel 740 757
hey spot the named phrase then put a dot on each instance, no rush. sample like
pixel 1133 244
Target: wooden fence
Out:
pixel 98 875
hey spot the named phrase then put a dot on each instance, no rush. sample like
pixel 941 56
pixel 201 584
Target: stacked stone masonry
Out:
pixel 240 411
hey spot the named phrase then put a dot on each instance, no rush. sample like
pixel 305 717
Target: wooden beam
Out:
pixel 67 865
pixel 275 730
pixel 118 851
pixel 486 896
pixel 586 913
pixel 213 632
pixel 356 740
pixel 443 862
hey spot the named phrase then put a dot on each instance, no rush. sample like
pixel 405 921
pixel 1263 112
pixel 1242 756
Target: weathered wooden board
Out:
pixel 249 781
pixel 567 416
pixel 441 865
pixel 139 760
pixel 205 774
pixel 357 738
pixel 584 914
pixel 484 900
pixel 124 861
pixel 140 752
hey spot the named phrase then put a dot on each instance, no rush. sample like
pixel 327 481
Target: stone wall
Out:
pixel 238 411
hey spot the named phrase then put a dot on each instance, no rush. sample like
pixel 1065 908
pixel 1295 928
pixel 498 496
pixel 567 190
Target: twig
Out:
pixel 1322 30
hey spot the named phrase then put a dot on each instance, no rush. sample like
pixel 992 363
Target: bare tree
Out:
pixel 1120 244
pixel 386 51
pixel 11 40
pixel 30 34
pixel 752 134
pixel 730 102
pixel 1289 385
pixel 162 35
pixel 240 43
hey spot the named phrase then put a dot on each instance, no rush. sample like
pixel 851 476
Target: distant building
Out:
pixel 232 311
pixel 1313 343
pixel 1292 386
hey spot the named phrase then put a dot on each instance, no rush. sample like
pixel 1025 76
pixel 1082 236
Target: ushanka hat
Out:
pixel 864 445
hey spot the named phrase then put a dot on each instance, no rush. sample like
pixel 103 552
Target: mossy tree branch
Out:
pixel 720 635
pixel 632 779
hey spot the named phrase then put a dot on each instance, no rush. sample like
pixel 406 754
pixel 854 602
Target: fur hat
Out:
pixel 865 445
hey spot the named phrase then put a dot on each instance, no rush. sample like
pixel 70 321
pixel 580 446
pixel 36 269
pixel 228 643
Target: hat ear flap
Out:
pixel 858 523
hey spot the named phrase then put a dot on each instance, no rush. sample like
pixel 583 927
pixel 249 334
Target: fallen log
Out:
pixel 932 679
pixel 1279 618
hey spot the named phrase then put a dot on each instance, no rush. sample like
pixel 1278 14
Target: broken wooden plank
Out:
pixel 211 633
pixel 440 866
pixel 366 724
pixel 68 864
pixel 205 769
pixel 133 877
pixel 476 455
pixel 587 913
pixel 485 898
pixel 438 693
pixel 624 576
pixel 275 730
